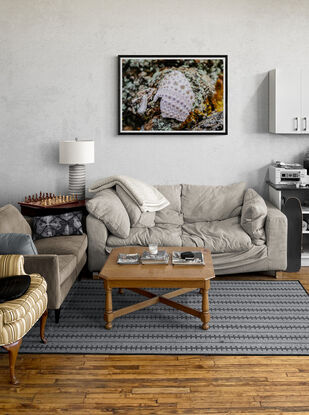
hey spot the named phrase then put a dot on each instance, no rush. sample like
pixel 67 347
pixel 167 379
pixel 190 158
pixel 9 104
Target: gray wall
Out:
pixel 58 80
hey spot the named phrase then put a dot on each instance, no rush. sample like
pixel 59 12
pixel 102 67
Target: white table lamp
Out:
pixel 77 153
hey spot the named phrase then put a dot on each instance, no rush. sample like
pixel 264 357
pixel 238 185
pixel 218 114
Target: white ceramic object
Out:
pixel 176 96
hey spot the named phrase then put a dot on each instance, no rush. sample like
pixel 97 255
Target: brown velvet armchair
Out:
pixel 60 259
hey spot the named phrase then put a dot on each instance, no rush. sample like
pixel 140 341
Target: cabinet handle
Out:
pixel 305 123
pixel 296 126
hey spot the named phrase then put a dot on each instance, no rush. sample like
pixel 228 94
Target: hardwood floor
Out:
pixel 164 385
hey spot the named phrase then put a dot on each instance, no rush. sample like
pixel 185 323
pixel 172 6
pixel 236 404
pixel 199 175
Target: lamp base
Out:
pixel 77 180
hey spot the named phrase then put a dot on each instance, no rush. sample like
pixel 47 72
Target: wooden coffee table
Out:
pixel 136 277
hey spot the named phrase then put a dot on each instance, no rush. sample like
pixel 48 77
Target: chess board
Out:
pixel 47 200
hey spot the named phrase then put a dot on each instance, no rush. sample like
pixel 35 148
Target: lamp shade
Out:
pixel 76 152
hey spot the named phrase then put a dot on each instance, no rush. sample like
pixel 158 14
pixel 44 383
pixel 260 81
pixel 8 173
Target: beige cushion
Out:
pixel 253 216
pixel 107 207
pixel 217 236
pixel 172 213
pixel 138 218
pixel 209 203
pixel 12 221
pixel 63 245
pixel 144 236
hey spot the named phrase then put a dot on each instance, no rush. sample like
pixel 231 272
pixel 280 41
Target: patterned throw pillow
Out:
pixel 57 225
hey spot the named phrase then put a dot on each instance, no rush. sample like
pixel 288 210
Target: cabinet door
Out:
pixel 288 101
pixel 305 100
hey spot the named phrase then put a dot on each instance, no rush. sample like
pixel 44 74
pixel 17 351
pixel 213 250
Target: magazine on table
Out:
pixel 128 259
pixel 161 257
pixel 195 258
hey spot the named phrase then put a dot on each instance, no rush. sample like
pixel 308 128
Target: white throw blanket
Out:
pixel 147 197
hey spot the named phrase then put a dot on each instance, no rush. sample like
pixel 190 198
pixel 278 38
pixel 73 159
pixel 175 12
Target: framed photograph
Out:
pixel 173 94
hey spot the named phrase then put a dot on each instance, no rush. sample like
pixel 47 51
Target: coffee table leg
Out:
pixel 205 316
pixel 108 316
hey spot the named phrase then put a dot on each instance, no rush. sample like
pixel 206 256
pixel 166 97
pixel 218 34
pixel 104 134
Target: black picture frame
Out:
pixel 193 60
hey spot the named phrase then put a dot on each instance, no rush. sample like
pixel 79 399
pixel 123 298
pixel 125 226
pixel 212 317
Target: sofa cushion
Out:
pixel 253 216
pixel 12 221
pixel 209 203
pixel 172 213
pixel 217 236
pixel 108 208
pixel 17 243
pixel 162 236
pixel 138 219
pixel 63 245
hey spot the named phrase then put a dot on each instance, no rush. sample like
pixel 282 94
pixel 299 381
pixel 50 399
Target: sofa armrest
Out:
pixel 11 265
pixel 47 266
pixel 276 229
pixel 97 236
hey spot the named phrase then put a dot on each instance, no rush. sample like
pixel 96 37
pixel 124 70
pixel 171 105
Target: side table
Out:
pixel 32 211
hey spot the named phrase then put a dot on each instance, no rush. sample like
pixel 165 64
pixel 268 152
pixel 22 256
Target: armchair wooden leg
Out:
pixel 42 326
pixel 57 315
pixel 13 349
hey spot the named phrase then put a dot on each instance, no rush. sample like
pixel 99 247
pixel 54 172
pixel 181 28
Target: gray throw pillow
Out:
pixel 108 208
pixel 17 244
pixel 253 216
pixel 58 225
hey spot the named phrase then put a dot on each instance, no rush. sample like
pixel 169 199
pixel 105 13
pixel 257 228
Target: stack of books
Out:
pixel 161 257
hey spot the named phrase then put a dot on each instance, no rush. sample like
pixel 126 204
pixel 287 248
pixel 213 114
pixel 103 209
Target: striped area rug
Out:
pixel 247 318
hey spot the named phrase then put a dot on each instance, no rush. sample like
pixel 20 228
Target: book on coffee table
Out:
pixel 198 258
pixel 128 259
pixel 161 257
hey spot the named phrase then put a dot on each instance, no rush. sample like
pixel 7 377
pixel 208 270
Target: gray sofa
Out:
pixel 60 259
pixel 244 233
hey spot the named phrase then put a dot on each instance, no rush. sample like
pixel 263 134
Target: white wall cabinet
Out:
pixel 289 101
